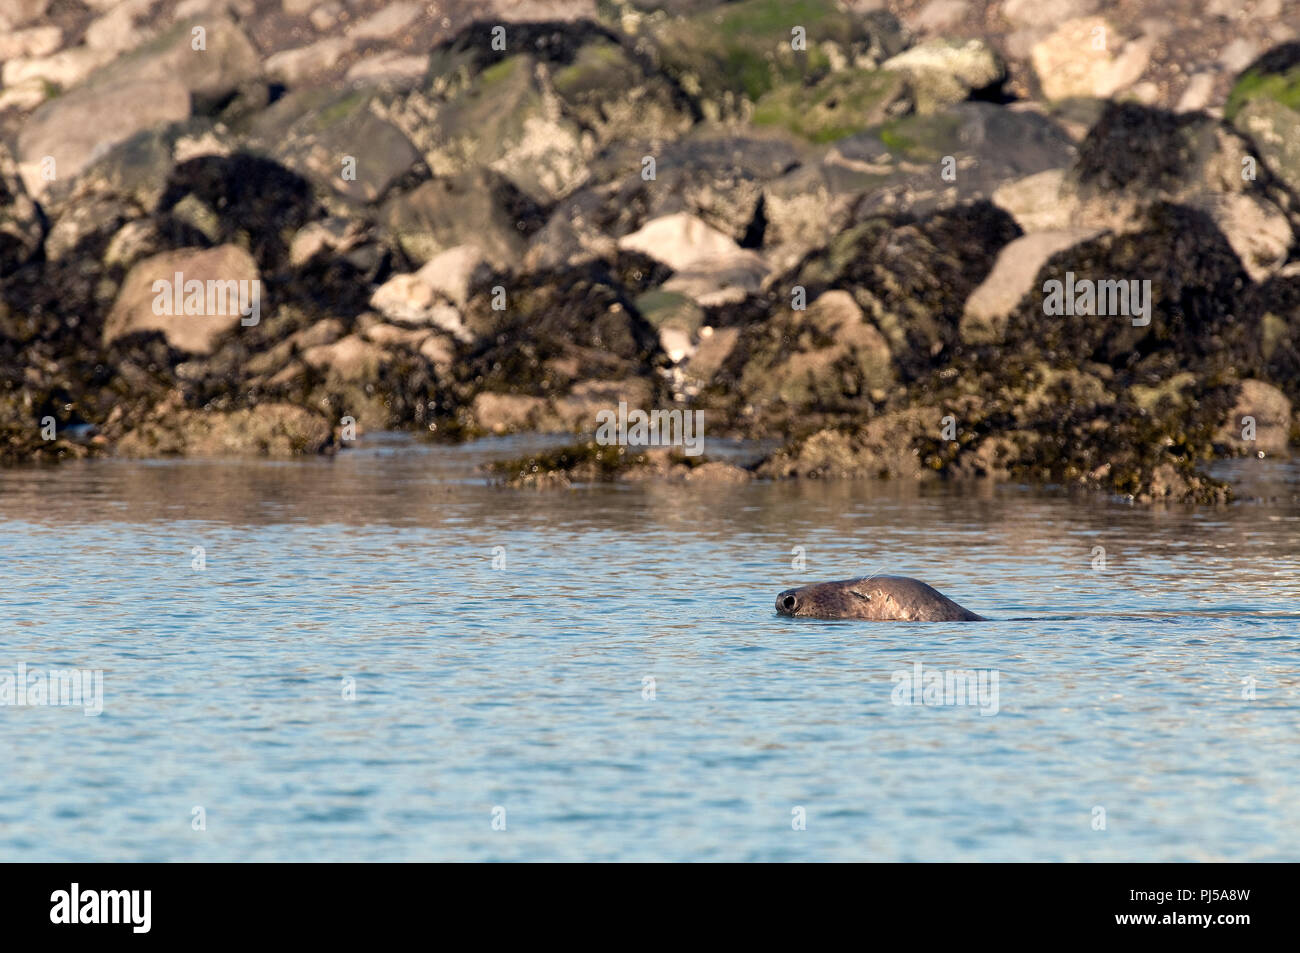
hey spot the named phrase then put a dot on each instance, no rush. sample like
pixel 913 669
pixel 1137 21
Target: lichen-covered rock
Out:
pixel 728 56
pixel 945 71
pixel 337 139
pixel 614 95
pixel 478 207
pixel 1275 75
pixel 1276 131
pixel 507 119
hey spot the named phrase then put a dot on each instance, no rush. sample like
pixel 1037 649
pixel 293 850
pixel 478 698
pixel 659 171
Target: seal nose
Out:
pixel 786 602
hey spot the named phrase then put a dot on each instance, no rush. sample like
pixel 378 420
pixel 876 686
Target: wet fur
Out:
pixel 875 598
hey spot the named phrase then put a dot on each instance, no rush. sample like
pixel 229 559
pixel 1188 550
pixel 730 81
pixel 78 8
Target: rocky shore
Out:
pixel 835 225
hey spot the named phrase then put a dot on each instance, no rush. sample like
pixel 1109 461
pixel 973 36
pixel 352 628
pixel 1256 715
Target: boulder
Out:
pixel 336 139
pixel 16 13
pixel 1079 59
pixel 840 105
pixel 152 85
pixel 63 136
pixel 680 241
pixel 613 94
pixel 945 71
pixel 504 120
pixel 1260 421
pixel 478 207
pixel 136 307
pixel 731 54
pixel 456 273
pixel 1018 264
pixel 304 63
pixel 712 174
pixel 828 357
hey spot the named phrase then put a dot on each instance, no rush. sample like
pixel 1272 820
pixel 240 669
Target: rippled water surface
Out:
pixel 527 687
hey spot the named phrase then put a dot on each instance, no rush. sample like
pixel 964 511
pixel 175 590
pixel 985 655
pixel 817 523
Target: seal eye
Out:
pixel 788 603
pixel 860 594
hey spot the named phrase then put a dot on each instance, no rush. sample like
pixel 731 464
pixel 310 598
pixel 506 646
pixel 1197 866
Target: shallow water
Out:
pixel 524 687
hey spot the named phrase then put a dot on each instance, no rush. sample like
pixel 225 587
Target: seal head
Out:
pixel 876 598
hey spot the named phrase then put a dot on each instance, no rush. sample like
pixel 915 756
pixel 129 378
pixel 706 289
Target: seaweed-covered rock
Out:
pixel 270 430
pixel 1277 301
pixel 251 201
pixel 884 447
pixel 841 104
pixel 553 330
pixel 827 358
pixel 1135 157
pixel 21 229
pixel 1196 290
pixel 592 462
pixel 1013 276
pixel 1265 105
pixel 911 277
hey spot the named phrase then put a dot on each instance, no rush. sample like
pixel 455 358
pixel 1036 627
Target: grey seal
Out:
pixel 875 598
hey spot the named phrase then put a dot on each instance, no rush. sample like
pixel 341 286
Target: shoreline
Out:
pixel 901 246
